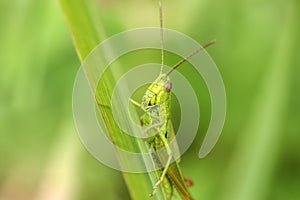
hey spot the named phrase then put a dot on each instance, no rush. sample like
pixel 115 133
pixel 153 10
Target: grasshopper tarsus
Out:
pixel 151 195
pixel 155 188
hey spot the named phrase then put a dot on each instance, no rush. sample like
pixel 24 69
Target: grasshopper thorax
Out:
pixel 157 93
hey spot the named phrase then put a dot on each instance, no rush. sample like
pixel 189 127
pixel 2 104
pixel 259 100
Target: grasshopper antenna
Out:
pixel 161 37
pixel 190 55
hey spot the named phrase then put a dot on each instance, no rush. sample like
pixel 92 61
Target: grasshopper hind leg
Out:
pixel 168 188
pixel 166 167
pixel 162 178
pixel 166 184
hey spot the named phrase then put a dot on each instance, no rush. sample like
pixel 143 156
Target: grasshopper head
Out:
pixel 158 92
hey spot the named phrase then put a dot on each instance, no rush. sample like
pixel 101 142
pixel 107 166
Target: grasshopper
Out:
pixel 156 106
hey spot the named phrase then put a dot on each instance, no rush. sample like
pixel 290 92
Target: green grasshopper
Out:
pixel 156 105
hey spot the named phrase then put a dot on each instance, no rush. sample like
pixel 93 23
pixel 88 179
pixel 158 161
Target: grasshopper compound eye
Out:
pixel 168 86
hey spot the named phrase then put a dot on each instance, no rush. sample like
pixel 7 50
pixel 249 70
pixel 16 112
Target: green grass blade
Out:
pixel 86 37
pixel 80 25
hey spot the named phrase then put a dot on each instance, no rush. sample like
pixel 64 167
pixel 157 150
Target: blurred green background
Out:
pixel 258 55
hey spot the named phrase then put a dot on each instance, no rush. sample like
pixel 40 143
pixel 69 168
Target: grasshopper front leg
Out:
pixel 135 103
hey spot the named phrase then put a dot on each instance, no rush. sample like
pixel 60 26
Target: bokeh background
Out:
pixel 258 55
